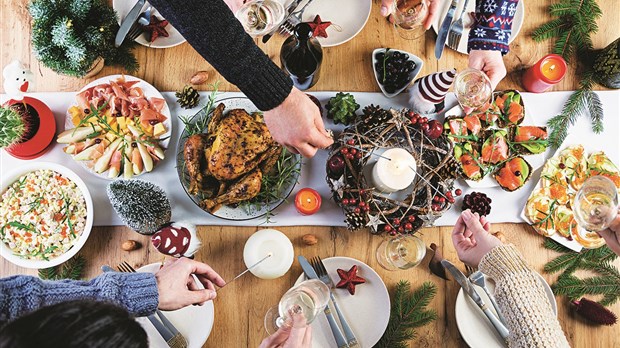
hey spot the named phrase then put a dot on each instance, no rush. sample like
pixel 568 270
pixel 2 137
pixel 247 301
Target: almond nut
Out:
pixel 309 239
pixel 130 245
pixel 199 78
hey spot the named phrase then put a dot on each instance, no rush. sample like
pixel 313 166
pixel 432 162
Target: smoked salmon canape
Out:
pixel 529 140
pixel 462 129
pixel 488 115
pixel 510 104
pixel 513 174
pixel 495 147
pixel 468 157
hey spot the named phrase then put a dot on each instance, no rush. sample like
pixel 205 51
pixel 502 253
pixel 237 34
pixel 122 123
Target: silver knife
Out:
pixel 469 289
pixel 442 34
pixel 311 274
pixel 289 9
pixel 128 22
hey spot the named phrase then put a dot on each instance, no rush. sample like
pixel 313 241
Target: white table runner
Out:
pixel 506 206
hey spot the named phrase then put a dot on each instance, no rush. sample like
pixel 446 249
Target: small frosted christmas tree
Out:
pixel 141 205
pixel 68 36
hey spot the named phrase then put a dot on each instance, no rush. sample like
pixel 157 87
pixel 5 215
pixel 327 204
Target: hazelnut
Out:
pixel 130 245
pixel 199 78
pixel 309 239
pixel 500 236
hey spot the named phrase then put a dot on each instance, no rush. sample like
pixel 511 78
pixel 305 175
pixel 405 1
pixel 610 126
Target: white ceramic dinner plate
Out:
pixel 122 8
pixel 347 16
pixel 367 312
pixel 193 322
pixel 517 21
pixel 149 92
pixel 28 167
pixel 474 326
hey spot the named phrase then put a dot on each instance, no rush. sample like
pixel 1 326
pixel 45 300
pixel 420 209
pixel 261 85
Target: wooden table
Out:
pixel 240 308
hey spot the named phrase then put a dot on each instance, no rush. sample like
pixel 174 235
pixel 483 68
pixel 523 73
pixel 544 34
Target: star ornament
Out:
pixel 156 28
pixel 349 279
pixel 338 186
pixel 319 28
pixel 374 222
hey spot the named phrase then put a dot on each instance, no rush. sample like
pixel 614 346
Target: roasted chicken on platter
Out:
pixel 227 163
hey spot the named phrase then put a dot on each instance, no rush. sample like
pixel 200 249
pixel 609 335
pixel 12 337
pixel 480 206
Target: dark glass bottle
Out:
pixel 301 56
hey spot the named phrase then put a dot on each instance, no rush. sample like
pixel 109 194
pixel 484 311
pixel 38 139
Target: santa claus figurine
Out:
pixel 177 239
pixel 428 93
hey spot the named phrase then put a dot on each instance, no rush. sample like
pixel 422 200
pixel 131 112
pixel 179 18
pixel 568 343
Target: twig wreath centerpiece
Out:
pixel 76 37
pixel 359 147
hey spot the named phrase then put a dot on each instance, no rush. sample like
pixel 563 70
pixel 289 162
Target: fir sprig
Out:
pixel 408 313
pixel 196 124
pixel 72 269
pixel 606 279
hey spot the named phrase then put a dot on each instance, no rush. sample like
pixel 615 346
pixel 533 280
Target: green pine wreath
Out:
pixel 68 36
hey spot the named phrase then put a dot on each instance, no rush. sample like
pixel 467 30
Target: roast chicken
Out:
pixel 227 163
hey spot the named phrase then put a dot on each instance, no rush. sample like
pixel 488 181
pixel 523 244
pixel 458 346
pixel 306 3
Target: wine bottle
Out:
pixel 301 56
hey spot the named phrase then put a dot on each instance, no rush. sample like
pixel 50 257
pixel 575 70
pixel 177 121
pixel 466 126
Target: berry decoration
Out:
pixel 594 312
pixel 349 279
pixel 477 202
pixel 342 108
pixel 188 97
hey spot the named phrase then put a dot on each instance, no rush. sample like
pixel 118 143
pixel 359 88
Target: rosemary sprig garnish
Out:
pixel 195 126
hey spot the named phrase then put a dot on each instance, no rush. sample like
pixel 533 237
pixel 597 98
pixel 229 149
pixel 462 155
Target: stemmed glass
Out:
pixel 473 88
pixel 595 207
pixel 260 17
pixel 401 252
pixel 305 300
pixel 409 15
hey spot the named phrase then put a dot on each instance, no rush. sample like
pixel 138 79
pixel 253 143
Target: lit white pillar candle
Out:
pixel 266 241
pixel 394 170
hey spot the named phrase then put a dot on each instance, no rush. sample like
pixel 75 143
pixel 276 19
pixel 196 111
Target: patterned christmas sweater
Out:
pixel 492 25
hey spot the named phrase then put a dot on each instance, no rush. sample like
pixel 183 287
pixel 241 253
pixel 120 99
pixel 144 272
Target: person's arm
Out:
pixel 492 25
pixel 136 292
pixel 612 235
pixel 212 29
pixel 522 299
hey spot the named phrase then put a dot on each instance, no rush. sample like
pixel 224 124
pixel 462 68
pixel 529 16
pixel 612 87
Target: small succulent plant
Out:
pixel 12 127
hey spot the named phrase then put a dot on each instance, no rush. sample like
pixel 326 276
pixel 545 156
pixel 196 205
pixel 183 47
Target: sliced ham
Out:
pixel 157 103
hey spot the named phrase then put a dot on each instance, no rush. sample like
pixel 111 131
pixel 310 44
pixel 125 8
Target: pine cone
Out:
pixel 188 97
pixel 477 202
pixel 595 312
pixel 355 221
pixel 451 170
pixel 374 116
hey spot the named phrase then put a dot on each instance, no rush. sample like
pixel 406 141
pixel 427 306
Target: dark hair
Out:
pixel 75 324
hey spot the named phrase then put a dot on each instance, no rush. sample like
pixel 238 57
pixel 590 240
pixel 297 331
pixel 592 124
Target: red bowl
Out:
pixel 42 139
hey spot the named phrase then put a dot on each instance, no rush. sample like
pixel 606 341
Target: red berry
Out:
pixel 436 199
pixel 345 201
pixel 401 229
pixel 352 201
pixel 351 142
pixel 350 156
pixel 387 228
pixel 367 208
pixel 353 151
pixel 344 151
pixel 424 126
pixel 362 204
pixel 396 221
pixel 458 192
pixel 451 200
pixel 442 200
pixel 411 218
pixel 413 120
pixel 359 155
pixel 357 210
pixel 393 233
pixel 408 226
pixel 410 114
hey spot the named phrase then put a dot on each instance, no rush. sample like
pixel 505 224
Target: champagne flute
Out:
pixel 260 17
pixel 409 16
pixel 595 207
pixel 473 88
pixel 401 252
pixel 305 300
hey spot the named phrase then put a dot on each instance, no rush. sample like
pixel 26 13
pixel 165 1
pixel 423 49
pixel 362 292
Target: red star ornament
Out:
pixel 349 279
pixel 156 28
pixel 319 28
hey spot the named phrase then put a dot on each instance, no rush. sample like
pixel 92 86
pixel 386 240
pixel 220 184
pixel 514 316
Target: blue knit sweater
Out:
pixel 136 292
pixel 493 25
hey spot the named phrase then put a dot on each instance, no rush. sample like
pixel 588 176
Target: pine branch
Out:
pixel 595 108
pixel 48 273
pixel 72 269
pixel 408 312
pixel 555 246
pixel 561 262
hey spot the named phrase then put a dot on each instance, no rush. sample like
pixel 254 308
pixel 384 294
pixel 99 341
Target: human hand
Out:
pixel 387 7
pixel 290 335
pixel 612 235
pixel 472 239
pixel 297 124
pixel 489 62
pixel 177 287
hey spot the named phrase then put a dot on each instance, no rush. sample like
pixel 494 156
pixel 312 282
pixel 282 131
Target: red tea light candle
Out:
pixel 307 201
pixel 545 73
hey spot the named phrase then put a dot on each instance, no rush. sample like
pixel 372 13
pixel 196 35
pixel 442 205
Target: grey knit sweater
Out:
pixel 212 29
pixel 136 292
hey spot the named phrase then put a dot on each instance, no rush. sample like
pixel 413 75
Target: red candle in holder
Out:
pixel 307 201
pixel 545 73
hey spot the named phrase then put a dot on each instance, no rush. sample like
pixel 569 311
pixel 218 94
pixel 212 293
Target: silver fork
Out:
pixel 319 267
pixel 136 28
pixel 177 340
pixel 295 18
pixel 456 30
pixel 478 279
pixel 469 269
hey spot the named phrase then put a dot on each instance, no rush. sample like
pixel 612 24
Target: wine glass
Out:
pixel 473 88
pixel 260 17
pixel 595 207
pixel 401 252
pixel 409 16
pixel 305 301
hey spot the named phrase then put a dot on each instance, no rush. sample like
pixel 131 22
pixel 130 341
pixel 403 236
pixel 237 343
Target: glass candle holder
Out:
pixel 401 252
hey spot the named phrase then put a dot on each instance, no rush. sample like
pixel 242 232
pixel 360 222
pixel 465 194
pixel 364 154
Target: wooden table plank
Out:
pixel 241 306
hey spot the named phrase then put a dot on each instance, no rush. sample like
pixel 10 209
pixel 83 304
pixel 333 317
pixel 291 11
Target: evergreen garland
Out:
pixel 408 312
pixel 72 269
pixel 68 36
pixel 572 29
pixel 599 261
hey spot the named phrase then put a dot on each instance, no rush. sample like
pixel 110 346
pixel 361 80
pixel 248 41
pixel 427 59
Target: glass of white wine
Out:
pixel 473 88
pixel 595 207
pixel 259 17
pixel 401 252
pixel 304 301
pixel 409 16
